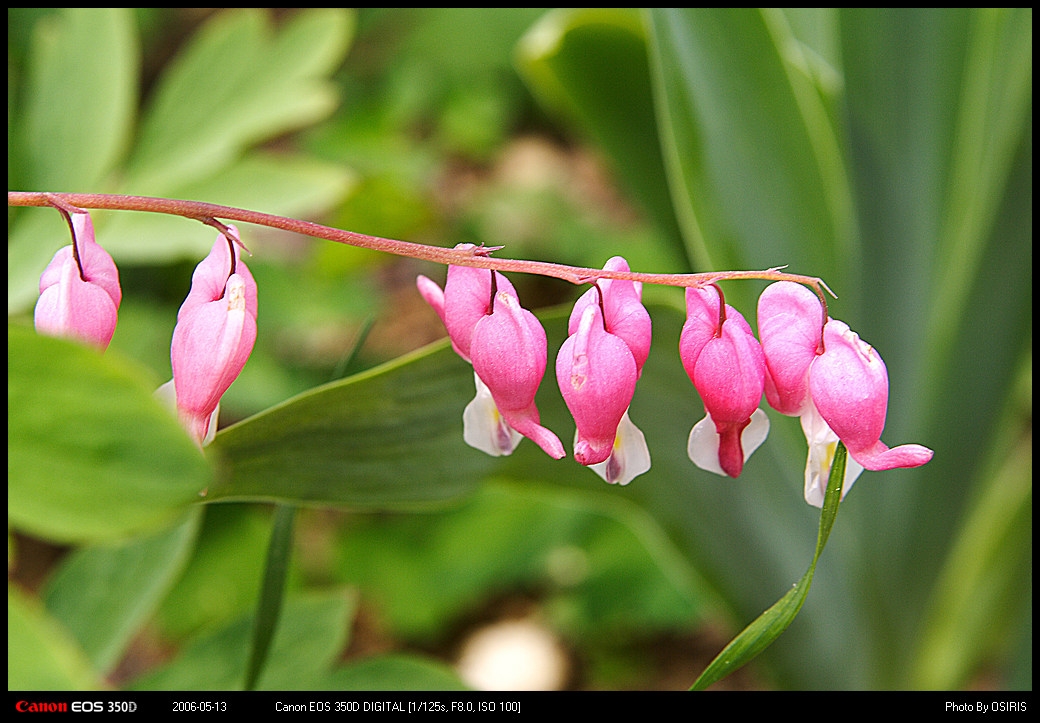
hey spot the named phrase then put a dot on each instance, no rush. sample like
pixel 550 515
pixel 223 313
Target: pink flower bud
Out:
pixel 597 369
pixel 508 349
pixel 790 325
pixel 512 353
pixel 849 385
pixel 466 299
pixel 726 365
pixel 623 312
pixel 80 304
pixel 215 332
pixel 702 323
pixel 597 376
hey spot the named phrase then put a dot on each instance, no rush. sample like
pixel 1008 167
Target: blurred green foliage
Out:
pixel 888 151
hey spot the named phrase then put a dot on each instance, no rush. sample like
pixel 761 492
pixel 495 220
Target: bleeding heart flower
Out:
pixel 597 368
pixel 80 298
pixel 214 335
pixel 509 351
pixel 790 325
pixel 849 386
pixel 833 381
pixel 623 312
pixel 597 377
pixel 725 363
pixel 465 300
pixel 507 347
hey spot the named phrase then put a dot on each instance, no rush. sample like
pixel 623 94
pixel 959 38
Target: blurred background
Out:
pixel 888 152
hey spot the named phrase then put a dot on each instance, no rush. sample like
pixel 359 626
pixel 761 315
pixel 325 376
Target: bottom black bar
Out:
pixel 514 704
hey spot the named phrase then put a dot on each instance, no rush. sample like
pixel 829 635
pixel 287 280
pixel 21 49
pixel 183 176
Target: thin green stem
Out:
pixel 477 257
pixel 272 592
pixel 768 626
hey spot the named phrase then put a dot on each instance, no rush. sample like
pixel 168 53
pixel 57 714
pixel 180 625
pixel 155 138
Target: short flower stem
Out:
pixel 475 257
pixel 75 242
pixel 722 311
pixel 66 212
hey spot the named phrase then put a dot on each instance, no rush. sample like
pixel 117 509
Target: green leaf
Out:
pixel 225 558
pixel 73 130
pixel 589 65
pixel 758 176
pixel 92 455
pixel 385 439
pixel 41 655
pixel 237 83
pixel 988 565
pixel 282 185
pixel 313 631
pixel 104 594
pixel 87 59
pixel 761 633
pixel 994 111
pixel 939 106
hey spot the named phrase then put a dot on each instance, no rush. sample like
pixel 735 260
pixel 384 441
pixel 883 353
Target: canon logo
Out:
pixel 47 706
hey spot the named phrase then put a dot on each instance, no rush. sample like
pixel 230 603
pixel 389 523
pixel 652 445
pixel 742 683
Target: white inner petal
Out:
pixel 822 444
pixel 755 433
pixel 629 458
pixel 703 444
pixel 484 428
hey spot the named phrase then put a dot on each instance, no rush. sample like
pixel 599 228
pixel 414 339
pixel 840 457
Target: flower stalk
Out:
pixel 476 257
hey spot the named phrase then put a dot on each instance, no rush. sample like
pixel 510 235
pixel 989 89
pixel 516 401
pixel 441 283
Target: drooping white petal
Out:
pixel 629 458
pixel 703 444
pixel 822 443
pixel 484 428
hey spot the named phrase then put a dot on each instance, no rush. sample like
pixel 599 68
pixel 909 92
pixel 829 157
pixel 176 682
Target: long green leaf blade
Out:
pixel 385 439
pixel 758 177
pixel 761 633
pixel 272 592
pixel 589 65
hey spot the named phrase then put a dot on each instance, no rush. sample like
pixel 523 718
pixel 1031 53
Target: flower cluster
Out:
pixel 216 325
pixel 806 365
pixel 821 371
